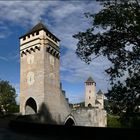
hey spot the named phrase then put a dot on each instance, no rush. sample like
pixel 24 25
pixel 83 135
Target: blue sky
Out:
pixel 62 18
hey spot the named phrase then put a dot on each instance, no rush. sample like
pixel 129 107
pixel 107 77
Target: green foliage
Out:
pixel 115 34
pixel 113 121
pixel 13 108
pixel 118 122
pixel 131 121
pixel 7 98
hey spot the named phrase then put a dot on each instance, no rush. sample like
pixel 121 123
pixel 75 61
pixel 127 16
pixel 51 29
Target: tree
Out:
pixel 117 39
pixel 7 98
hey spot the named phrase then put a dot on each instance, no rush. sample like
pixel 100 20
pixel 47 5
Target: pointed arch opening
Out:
pixel 70 121
pixel 30 106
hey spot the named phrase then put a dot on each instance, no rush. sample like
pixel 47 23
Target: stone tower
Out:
pixel 39 74
pixel 100 99
pixel 90 92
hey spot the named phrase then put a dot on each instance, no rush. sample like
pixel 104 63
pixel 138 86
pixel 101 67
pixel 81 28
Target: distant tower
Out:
pixel 100 99
pixel 39 72
pixel 90 92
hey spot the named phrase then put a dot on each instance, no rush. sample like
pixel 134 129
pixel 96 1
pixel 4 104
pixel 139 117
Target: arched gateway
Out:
pixel 30 106
pixel 70 121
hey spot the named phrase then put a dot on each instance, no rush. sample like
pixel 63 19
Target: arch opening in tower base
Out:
pixel 30 106
pixel 89 105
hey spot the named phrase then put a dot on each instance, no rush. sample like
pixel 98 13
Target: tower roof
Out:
pixel 99 92
pixel 90 79
pixel 38 27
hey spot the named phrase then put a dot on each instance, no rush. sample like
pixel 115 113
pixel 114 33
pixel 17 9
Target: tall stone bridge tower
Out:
pixel 90 92
pixel 39 74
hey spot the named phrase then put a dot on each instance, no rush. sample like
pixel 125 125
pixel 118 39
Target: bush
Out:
pixel 118 122
pixel 131 122
pixel 113 121
pixel 13 109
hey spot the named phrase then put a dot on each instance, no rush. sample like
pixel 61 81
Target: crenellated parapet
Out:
pixel 29 50
pixel 53 51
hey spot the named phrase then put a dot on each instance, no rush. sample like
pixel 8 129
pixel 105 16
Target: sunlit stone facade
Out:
pixel 40 88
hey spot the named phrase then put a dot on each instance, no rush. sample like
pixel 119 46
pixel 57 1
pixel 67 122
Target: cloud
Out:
pixel 14 56
pixel 64 19
pixel 3 58
pixel 65 10
pixel 74 70
pixel 23 12
pixel 75 97
pixel 11 56
pixel 4 30
pixel 69 19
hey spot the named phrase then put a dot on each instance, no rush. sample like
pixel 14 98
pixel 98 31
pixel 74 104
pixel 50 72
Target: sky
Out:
pixel 62 18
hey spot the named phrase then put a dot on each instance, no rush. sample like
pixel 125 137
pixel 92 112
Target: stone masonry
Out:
pixel 40 88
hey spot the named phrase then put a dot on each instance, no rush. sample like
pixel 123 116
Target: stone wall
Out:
pixel 90 117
